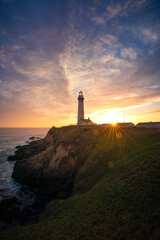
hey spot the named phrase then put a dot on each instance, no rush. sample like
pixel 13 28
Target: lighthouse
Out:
pixel 80 107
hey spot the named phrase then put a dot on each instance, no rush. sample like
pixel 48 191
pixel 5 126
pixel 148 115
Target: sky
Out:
pixel 52 49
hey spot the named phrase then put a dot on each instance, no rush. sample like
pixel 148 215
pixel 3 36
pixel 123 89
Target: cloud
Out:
pixel 136 86
pixel 155 111
pixel 98 20
pixel 30 61
pixel 108 39
pixel 128 53
pixel 124 8
pixel 113 11
pixel 149 35
pixel 115 81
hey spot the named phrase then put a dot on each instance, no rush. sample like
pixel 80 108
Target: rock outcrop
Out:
pixel 26 151
pixel 49 163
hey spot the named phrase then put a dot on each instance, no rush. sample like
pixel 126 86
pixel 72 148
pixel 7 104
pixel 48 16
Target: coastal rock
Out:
pixel 53 168
pixel 13 212
pixel 52 162
pixel 10 211
pixel 18 146
pixel 24 152
pixel 32 138
pixel 9 201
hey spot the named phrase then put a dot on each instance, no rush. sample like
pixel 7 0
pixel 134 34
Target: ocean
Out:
pixel 9 139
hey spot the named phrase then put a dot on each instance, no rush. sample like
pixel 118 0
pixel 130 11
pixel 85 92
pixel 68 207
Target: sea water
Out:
pixel 9 139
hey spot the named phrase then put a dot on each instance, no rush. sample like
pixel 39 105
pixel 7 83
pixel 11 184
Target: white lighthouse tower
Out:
pixel 80 107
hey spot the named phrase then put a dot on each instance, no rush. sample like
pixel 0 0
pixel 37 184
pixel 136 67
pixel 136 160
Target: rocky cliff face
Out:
pixel 49 163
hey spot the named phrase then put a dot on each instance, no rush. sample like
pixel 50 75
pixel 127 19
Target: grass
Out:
pixel 116 193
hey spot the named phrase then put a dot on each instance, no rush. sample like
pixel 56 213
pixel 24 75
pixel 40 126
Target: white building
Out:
pixel 148 125
pixel 125 124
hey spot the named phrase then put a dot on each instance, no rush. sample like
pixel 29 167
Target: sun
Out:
pixel 111 117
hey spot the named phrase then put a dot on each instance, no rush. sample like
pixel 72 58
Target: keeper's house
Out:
pixel 85 122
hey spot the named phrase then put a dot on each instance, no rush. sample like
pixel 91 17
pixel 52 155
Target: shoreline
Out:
pixel 18 202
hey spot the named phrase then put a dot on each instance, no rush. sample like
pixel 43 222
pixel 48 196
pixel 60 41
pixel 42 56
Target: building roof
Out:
pixel 124 123
pixel 148 123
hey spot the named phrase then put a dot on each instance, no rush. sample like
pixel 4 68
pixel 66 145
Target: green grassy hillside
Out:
pixel 116 193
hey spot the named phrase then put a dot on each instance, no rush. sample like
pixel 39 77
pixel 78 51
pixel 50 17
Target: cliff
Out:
pixel 112 178
pixel 54 162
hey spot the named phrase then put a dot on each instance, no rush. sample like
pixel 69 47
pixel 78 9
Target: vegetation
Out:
pixel 116 192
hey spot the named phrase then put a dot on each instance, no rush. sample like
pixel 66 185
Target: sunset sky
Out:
pixel 52 49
